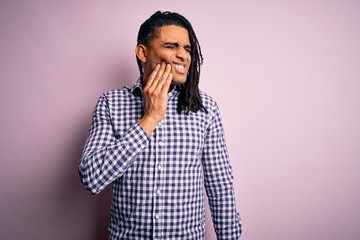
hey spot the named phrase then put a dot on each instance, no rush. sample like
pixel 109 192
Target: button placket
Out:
pixel 158 201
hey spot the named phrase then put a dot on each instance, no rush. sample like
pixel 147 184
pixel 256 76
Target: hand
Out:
pixel 155 98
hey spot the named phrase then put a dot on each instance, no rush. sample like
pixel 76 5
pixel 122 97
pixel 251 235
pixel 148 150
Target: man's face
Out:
pixel 172 47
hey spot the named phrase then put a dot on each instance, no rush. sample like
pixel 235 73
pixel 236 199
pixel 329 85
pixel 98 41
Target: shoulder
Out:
pixel 209 102
pixel 118 95
pixel 115 97
pixel 115 93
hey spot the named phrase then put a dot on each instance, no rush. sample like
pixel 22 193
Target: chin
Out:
pixel 174 82
pixel 178 81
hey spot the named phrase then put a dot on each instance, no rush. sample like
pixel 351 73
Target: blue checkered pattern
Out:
pixel 158 182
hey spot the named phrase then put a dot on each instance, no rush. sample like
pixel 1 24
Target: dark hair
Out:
pixel 189 98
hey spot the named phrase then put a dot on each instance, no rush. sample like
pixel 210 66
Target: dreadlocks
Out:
pixel 189 98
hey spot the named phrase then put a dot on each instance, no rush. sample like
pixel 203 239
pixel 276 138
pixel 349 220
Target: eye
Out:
pixel 170 46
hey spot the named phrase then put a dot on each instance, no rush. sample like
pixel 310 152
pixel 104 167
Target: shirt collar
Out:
pixel 137 89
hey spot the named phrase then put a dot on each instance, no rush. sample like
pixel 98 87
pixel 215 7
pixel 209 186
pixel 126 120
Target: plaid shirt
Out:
pixel 158 181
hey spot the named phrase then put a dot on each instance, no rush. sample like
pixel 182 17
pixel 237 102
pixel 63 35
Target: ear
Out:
pixel 141 52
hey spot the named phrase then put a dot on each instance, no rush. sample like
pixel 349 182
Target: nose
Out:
pixel 181 53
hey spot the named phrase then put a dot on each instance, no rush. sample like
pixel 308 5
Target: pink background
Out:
pixel 286 75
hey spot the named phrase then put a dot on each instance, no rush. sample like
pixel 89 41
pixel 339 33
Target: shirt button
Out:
pixel 158 191
pixel 159 167
pixel 157 216
pixel 160 143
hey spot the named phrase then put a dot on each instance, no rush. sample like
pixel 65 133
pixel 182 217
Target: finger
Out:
pixel 163 78
pixel 157 77
pixel 167 83
pixel 152 77
pixel 167 72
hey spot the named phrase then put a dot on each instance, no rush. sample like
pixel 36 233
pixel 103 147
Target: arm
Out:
pixel 218 180
pixel 105 157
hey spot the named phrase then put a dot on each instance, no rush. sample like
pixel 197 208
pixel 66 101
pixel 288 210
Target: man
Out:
pixel 159 140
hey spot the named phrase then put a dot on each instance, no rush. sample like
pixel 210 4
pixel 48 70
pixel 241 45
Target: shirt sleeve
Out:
pixel 218 179
pixel 106 156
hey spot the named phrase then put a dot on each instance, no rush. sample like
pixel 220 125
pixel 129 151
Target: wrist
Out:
pixel 148 124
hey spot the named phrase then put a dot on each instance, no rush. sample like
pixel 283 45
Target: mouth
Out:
pixel 180 68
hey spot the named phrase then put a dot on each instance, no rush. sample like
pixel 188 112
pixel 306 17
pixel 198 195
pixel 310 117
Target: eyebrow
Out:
pixel 175 44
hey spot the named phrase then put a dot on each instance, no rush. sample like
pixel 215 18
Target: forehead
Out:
pixel 172 33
